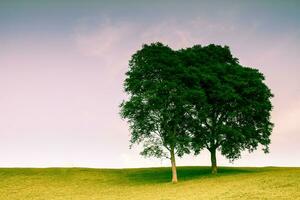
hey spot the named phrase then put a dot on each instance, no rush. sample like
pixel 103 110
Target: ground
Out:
pixel 149 183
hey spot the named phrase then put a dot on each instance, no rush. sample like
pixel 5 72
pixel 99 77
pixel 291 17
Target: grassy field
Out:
pixel 149 183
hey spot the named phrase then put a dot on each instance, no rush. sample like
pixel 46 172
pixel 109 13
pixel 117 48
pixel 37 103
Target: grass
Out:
pixel 149 183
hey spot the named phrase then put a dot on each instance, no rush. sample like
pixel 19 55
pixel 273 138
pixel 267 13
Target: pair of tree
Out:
pixel 195 98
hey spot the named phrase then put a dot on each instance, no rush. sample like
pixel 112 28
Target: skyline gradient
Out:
pixel 62 67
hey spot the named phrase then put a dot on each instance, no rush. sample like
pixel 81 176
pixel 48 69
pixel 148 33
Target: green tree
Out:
pixel 159 98
pixel 236 113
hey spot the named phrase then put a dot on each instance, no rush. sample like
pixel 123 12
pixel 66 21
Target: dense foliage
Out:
pixel 237 104
pixel 195 98
pixel 159 100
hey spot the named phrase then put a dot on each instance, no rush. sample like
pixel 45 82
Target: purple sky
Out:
pixel 62 68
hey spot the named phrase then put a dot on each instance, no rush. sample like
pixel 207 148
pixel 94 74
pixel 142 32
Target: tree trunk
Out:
pixel 173 163
pixel 213 161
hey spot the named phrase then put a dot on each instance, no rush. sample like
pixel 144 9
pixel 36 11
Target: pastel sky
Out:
pixel 62 66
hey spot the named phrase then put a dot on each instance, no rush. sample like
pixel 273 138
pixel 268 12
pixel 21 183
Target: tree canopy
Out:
pixel 237 104
pixel 195 98
pixel 159 100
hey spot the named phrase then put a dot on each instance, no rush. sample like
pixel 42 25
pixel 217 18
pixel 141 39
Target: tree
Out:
pixel 236 113
pixel 195 98
pixel 159 98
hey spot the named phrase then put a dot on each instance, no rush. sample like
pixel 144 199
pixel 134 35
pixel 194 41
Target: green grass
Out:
pixel 149 183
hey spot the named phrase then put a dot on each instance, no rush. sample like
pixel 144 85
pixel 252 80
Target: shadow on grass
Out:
pixel 163 175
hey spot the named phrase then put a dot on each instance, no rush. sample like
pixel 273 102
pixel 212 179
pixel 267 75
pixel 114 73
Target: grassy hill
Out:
pixel 149 183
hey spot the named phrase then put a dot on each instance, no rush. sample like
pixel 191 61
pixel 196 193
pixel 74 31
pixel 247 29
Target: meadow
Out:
pixel 149 183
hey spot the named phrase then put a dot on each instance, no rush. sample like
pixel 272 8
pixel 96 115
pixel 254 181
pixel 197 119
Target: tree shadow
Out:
pixel 163 175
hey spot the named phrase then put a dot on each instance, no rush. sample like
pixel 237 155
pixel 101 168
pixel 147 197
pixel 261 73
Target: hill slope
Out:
pixel 149 183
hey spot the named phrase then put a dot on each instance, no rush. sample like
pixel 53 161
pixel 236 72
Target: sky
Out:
pixel 63 63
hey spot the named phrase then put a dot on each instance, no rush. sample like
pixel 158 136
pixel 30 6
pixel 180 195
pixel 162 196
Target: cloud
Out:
pixel 115 38
pixel 103 40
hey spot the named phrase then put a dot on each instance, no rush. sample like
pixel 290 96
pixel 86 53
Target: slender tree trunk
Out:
pixel 173 163
pixel 213 161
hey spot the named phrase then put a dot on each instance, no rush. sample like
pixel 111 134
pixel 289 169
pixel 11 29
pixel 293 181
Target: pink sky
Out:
pixel 61 79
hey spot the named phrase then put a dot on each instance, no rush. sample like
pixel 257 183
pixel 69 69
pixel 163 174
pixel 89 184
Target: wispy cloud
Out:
pixel 109 37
